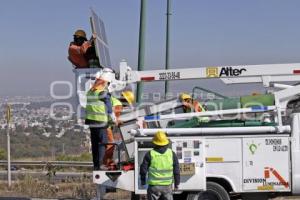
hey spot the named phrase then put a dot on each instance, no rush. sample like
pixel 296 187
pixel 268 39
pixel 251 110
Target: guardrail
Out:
pixel 44 163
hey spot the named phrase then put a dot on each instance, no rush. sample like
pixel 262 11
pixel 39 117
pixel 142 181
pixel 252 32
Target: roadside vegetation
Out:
pixel 38 146
pixel 84 157
pixel 32 187
pixel 2 154
pixel 82 188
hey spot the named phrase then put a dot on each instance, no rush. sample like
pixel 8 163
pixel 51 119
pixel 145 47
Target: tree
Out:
pixel 2 154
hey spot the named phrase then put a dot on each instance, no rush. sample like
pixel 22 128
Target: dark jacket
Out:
pixel 147 161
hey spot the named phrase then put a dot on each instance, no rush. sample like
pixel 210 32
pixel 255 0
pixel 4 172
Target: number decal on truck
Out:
pixel 169 75
pixel 277 144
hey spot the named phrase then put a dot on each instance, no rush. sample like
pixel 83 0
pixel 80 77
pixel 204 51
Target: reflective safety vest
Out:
pixel 116 106
pixel 115 101
pixel 95 109
pixel 161 168
pixel 198 107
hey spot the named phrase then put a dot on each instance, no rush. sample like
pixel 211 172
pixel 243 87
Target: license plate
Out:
pixel 187 168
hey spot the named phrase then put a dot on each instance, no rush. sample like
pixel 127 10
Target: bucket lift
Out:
pixel 270 75
pixel 140 123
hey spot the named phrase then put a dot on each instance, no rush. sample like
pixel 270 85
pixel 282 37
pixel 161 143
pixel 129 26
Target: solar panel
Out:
pixel 101 43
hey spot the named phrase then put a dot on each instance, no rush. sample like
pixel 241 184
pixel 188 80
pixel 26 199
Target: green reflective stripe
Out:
pixel 97 118
pixel 160 175
pixel 160 179
pixel 95 103
pixel 161 168
pixel 95 113
pixel 202 108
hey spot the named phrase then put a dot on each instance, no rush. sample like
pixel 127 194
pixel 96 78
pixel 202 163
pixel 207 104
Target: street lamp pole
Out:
pixel 141 57
pixel 167 65
pixel 8 118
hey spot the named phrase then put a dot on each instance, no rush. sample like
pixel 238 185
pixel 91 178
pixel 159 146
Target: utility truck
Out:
pixel 248 148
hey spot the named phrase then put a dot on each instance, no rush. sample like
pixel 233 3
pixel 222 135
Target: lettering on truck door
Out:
pixel 266 164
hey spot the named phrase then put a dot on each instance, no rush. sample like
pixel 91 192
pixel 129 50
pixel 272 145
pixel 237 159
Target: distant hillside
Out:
pixel 37 145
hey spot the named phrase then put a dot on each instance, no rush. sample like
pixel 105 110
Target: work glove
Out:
pixel 112 120
pixel 113 117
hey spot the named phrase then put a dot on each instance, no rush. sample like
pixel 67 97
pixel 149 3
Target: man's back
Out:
pixel 77 54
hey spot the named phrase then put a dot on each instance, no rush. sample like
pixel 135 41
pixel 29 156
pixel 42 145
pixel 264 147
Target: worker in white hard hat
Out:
pixel 98 114
pixel 162 166
pixel 82 51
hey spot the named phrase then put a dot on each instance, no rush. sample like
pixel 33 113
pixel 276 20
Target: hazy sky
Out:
pixel 35 35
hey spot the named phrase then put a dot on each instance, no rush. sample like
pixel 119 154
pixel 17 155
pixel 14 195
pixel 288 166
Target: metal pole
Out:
pixel 213 131
pixel 8 158
pixel 63 148
pixel 8 117
pixel 167 44
pixel 141 57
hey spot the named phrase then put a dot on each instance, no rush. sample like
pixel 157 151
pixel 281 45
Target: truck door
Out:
pixel 191 157
pixel 266 164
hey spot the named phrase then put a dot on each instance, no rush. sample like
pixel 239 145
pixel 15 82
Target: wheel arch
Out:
pixel 223 181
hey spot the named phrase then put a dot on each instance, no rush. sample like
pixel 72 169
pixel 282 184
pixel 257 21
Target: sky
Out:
pixel 35 35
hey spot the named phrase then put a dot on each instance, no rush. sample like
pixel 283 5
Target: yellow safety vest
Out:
pixel 95 109
pixel 161 168
pixel 115 101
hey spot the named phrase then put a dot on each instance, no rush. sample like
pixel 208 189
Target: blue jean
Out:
pixel 98 137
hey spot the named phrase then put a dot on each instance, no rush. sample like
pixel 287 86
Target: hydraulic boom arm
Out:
pixel 228 74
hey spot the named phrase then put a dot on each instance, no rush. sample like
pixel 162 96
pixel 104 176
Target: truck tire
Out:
pixel 214 191
pixel 135 196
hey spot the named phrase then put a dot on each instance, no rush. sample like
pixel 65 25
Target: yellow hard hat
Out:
pixel 80 33
pixel 184 96
pixel 160 138
pixel 129 96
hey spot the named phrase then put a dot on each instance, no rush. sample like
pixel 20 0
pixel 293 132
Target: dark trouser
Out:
pixel 98 136
pixel 159 192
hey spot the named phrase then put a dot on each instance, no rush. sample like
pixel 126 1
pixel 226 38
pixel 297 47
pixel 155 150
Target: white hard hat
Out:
pixel 98 74
pixel 106 74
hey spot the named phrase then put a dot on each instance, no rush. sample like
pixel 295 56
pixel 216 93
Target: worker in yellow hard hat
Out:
pixel 191 105
pixel 81 50
pixel 162 166
pixel 127 98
